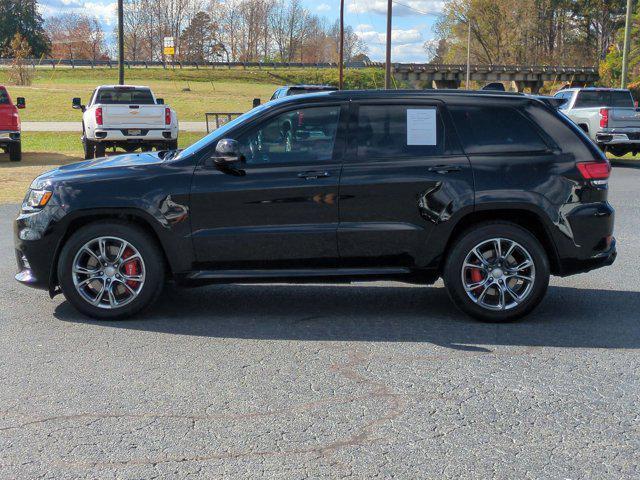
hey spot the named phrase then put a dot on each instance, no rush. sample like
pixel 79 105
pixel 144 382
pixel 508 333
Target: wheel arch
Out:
pixel 527 219
pixel 131 216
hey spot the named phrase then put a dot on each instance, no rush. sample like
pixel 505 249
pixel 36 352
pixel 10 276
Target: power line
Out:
pixel 421 12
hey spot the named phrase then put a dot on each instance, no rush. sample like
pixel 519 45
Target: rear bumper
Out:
pixel 147 135
pixel 619 137
pixel 9 136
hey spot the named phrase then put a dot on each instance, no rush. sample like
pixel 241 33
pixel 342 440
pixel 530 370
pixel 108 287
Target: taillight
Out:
pixel 604 117
pixel 99 116
pixel 597 172
pixel 167 116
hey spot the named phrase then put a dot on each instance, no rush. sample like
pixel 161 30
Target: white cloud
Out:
pixel 323 7
pixel 407 8
pixel 406 45
pixel 104 12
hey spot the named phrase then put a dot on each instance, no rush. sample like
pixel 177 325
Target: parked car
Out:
pixel 127 117
pixel 491 191
pixel 300 89
pixel 10 141
pixel 608 115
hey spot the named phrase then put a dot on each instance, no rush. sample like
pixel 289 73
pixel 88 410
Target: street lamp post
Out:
pixel 627 41
pixel 468 53
pixel 387 66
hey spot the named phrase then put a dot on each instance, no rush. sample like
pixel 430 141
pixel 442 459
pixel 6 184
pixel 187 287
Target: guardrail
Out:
pixel 398 67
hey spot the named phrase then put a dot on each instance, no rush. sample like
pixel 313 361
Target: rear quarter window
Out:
pixel 493 129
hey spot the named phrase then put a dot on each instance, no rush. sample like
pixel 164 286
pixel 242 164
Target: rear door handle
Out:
pixel 313 175
pixel 442 169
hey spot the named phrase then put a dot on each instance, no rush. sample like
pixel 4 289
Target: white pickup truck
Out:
pixel 608 115
pixel 127 117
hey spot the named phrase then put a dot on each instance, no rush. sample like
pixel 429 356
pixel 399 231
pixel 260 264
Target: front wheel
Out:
pixel 497 272
pixel 111 270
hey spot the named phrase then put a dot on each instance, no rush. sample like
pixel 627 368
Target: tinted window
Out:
pixel 305 135
pixel 603 98
pixel 382 131
pixel 125 96
pixel 495 130
pixel 4 97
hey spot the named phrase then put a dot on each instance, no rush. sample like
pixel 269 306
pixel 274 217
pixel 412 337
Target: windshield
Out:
pixel 219 133
pixel 125 96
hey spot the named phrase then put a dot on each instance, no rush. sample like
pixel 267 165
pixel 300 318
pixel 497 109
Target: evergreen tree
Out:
pixel 22 16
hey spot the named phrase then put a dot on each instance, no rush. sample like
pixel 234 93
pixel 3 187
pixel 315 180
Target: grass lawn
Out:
pixel 190 92
pixel 15 177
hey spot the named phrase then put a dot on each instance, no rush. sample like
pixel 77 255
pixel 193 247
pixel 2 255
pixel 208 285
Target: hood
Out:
pixel 117 165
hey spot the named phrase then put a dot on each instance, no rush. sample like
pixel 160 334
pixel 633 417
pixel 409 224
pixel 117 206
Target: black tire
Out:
pixel 89 149
pixel 453 271
pixel 15 151
pixel 146 246
pixel 100 150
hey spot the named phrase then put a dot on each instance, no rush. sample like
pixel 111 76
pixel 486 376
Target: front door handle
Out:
pixel 313 175
pixel 442 169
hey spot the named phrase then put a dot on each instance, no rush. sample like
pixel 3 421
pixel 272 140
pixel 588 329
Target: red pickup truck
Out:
pixel 10 125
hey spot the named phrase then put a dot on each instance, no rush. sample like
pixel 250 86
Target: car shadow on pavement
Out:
pixel 568 317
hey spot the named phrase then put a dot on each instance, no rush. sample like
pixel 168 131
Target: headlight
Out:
pixel 36 198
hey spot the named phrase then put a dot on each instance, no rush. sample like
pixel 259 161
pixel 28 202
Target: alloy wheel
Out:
pixel 108 272
pixel 498 274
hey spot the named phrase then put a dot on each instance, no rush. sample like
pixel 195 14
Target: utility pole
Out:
pixel 387 66
pixel 120 43
pixel 341 54
pixel 468 53
pixel 625 51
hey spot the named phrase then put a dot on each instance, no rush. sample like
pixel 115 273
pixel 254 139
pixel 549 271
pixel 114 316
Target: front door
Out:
pixel 280 210
pixel 404 176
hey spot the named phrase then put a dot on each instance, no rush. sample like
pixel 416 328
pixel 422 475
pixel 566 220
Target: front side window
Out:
pixel 393 131
pixel 489 129
pixel 305 135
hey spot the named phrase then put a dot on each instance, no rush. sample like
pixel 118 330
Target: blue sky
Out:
pixel 411 27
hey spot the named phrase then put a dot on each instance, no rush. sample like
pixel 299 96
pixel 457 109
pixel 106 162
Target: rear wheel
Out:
pixel 89 149
pixel 497 272
pixel 100 150
pixel 15 151
pixel 111 270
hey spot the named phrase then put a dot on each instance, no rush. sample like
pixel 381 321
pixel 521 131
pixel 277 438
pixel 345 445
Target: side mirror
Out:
pixel 227 151
pixel 21 102
pixel 76 103
pixel 160 101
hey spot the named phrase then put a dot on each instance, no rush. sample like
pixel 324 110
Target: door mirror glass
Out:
pixel 20 102
pixel 227 151
pixel 76 103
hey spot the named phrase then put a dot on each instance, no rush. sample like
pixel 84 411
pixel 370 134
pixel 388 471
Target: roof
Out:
pixel 312 87
pixel 124 86
pixel 595 89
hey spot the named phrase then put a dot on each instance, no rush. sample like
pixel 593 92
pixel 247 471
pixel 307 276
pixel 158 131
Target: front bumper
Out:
pixel 36 242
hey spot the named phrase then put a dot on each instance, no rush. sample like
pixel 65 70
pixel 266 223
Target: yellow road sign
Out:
pixel 169 50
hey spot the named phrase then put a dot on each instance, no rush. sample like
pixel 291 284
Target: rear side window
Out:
pixel 125 96
pixel 603 98
pixel 394 131
pixel 490 129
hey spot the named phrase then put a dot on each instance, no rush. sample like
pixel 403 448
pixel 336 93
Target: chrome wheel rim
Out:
pixel 108 272
pixel 498 274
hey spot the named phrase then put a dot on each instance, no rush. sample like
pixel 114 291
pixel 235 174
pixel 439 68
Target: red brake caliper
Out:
pixel 476 276
pixel 130 268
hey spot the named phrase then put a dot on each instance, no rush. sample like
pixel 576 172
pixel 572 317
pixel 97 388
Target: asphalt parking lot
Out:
pixel 367 380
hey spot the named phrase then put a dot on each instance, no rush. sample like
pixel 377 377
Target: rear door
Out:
pixel 8 112
pixel 403 177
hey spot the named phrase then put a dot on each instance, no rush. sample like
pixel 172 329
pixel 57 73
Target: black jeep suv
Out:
pixel 493 192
